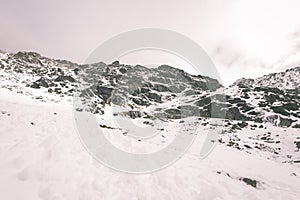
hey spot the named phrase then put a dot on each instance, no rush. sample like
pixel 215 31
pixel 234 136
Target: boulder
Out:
pixel 65 78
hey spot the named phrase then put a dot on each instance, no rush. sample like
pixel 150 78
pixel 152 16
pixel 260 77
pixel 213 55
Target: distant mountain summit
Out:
pixel 286 80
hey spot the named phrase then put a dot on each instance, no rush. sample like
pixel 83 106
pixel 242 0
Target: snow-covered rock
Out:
pixel 257 156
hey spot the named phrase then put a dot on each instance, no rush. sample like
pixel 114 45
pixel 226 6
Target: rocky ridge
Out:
pixel 166 93
pixel 170 93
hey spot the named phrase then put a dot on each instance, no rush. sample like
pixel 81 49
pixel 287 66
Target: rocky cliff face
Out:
pixel 272 98
pixel 164 92
pixel 257 112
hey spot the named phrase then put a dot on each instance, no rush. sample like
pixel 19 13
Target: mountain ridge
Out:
pixel 256 120
pixel 257 100
pixel 284 80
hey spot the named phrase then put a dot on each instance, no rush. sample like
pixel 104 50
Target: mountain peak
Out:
pixel 243 81
pixel 293 69
pixel 285 80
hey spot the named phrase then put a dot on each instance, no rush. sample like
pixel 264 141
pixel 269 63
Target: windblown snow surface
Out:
pixel 41 157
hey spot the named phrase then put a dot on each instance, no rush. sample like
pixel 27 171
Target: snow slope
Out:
pixel 41 157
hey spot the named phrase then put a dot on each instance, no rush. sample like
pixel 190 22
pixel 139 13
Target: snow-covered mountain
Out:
pixel 261 131
pixel 272 98
pixel 287 80
pixel 164 92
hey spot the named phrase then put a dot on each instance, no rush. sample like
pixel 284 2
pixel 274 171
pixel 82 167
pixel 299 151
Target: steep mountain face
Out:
pixel 272 98
pixel 164 92
pixel 262 121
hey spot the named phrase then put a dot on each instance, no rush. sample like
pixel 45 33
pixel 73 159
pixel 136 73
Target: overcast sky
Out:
pixel 244 38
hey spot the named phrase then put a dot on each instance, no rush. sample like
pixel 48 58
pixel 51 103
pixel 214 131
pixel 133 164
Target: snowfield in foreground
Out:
pixel 41 157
